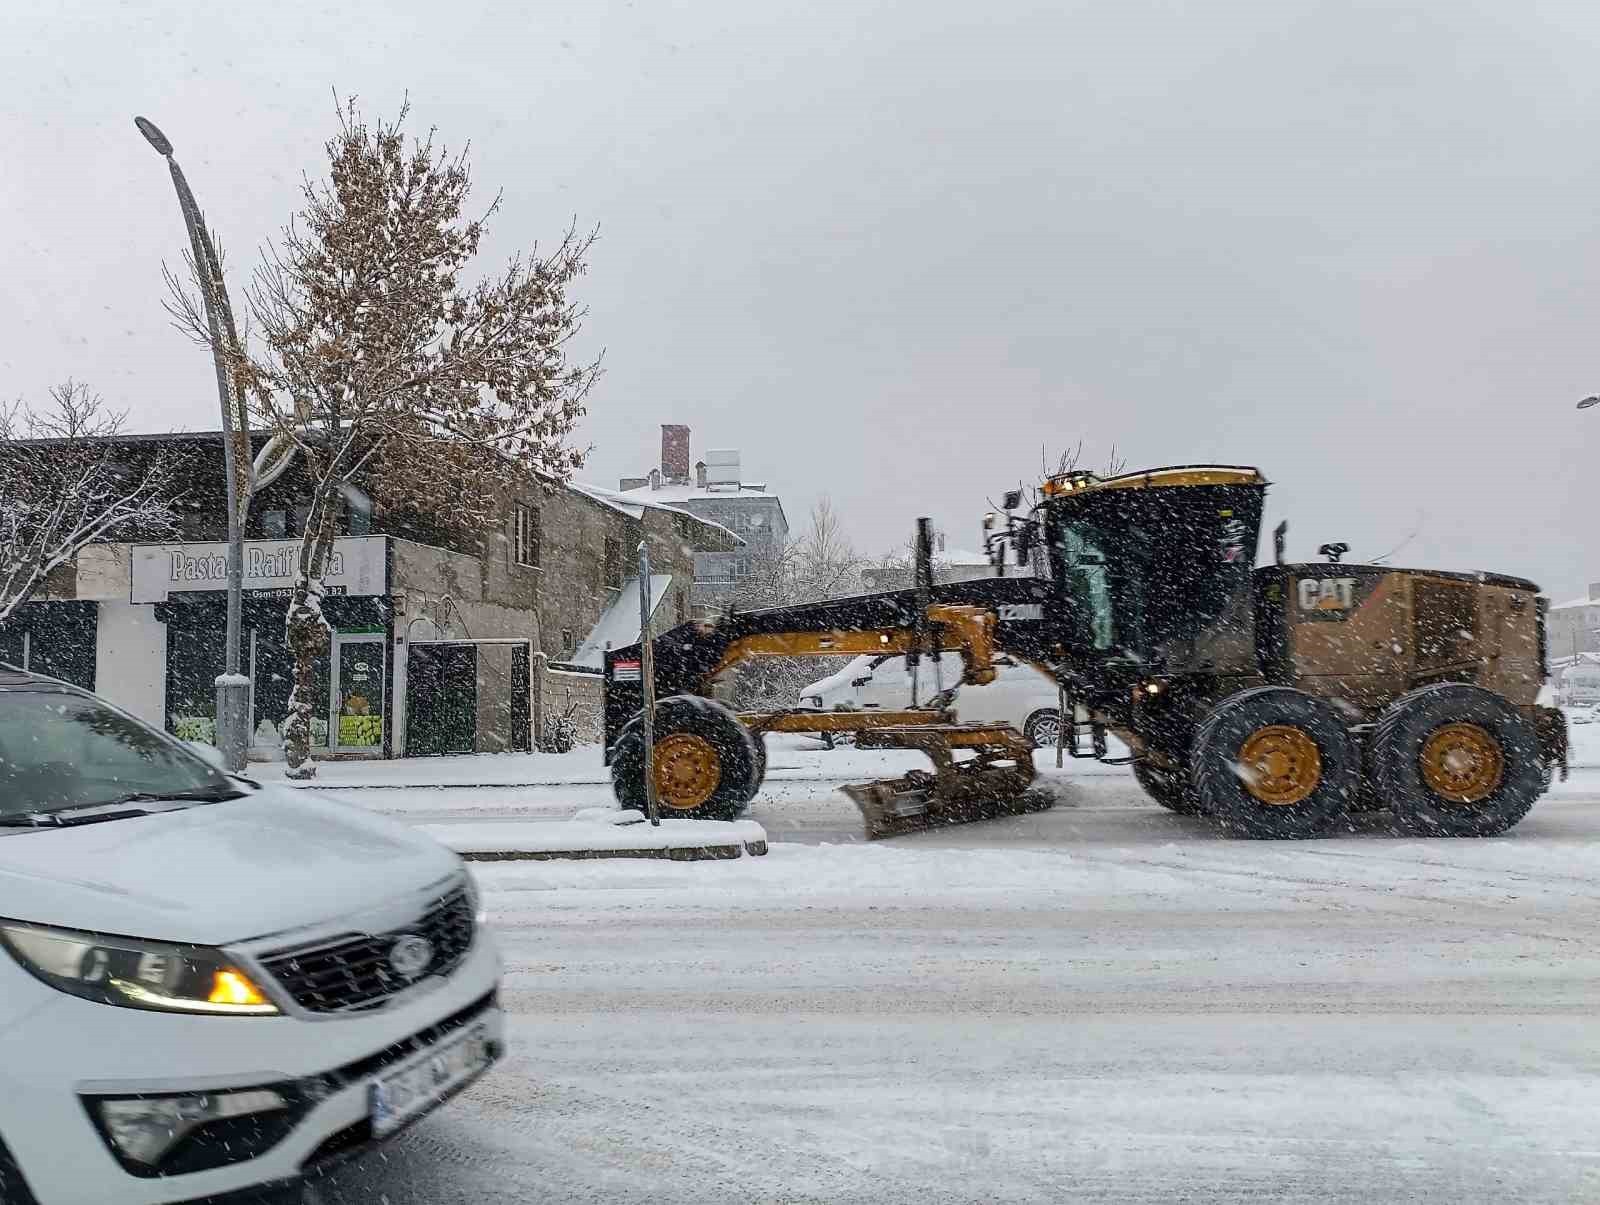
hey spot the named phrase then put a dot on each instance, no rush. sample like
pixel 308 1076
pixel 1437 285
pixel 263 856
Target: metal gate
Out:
pixel 441 699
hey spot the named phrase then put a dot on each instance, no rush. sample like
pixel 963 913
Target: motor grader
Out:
pixel 1276 700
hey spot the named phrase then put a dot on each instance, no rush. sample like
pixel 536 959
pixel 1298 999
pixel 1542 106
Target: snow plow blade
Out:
pixel 994 781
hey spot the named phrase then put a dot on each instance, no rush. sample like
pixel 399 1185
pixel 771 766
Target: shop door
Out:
pixel 441 699
pixel 357 725
pixel 521 701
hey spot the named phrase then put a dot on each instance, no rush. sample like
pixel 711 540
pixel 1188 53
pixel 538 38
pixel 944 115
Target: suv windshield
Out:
pixel 60 750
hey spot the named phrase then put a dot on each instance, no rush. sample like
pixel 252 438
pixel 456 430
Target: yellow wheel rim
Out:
pixel 1280 764
pixel 1462 763
pixel 686 770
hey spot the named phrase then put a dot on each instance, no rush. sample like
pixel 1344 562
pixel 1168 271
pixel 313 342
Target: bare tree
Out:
pixel 381 364
pixel 65 483
pixel 821 564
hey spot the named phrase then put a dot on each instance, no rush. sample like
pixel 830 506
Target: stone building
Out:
pixel 443 640
pixel 714 490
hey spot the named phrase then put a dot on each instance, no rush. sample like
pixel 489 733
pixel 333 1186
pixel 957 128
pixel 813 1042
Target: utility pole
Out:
pixel 233 688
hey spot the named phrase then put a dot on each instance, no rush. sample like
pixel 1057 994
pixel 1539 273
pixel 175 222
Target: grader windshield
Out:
pixel 1150 559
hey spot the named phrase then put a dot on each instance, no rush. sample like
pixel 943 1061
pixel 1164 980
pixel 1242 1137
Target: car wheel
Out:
pixel 1041 728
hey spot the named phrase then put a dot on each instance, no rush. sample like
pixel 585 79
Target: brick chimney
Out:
pixel 675 452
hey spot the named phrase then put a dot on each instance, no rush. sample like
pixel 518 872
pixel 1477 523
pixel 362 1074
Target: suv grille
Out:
pixel 354 972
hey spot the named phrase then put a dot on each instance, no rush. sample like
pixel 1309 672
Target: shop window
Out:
pixel 526 544
pixel 56 639
pixel 274 524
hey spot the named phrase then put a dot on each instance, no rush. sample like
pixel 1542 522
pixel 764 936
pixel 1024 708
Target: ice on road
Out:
pixel 1101 1003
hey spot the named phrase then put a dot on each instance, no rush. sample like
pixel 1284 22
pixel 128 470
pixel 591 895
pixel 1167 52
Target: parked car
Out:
pixel 1019 695
pixel 208 985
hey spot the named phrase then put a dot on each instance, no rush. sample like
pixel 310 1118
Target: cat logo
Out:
pixel 1327 594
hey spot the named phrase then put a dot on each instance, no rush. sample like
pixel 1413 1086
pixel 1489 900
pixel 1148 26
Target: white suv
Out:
pixel 207 985
pixel 1019 695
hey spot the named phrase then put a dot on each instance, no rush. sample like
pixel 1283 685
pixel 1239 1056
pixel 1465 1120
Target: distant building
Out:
pixel 1573 627
pixel 714 490
pixel 949 565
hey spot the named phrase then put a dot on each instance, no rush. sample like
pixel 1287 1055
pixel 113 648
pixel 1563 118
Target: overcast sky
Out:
pixel 889 250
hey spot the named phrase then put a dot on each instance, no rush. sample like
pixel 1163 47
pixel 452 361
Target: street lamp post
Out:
pixel 233 688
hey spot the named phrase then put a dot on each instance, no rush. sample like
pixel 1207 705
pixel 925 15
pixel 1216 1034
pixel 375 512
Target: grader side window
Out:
pixel 1084 565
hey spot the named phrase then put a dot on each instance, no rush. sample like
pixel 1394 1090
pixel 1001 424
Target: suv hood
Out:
pixel 217 873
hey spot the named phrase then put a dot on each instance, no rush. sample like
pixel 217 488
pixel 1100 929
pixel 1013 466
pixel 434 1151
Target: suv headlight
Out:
pixel 136 974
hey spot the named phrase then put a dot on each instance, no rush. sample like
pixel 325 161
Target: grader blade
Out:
pixel 993 780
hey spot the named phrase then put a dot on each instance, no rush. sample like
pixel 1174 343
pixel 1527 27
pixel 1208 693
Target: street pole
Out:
pixel 233 688
pixel 647 677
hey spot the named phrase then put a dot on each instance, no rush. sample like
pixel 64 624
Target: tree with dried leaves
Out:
pixel 65 482
pixel 381 364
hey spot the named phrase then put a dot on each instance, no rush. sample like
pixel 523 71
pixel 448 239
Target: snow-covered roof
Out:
pixel 959 556
pixel 634 508
pixel 688 492
pixel 1585 601
pixel 619 625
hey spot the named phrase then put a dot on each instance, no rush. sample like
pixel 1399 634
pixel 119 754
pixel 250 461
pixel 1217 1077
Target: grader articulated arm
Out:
pixel 713 770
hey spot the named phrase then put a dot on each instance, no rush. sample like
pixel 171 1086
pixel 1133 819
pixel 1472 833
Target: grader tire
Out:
pixel 759 740
pixel 1453 760
pixel 706 761
pixel 1277 763
pixel 1172 791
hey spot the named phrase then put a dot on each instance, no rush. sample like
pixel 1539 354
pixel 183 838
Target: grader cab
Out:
pixel 1276 700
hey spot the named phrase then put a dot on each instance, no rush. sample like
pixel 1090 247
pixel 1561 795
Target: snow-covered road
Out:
pixel 1104 1002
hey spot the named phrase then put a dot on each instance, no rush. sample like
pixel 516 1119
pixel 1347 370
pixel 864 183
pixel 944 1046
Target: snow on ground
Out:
pixel 1104 1002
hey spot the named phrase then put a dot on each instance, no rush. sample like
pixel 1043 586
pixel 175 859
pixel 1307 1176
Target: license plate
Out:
pixel 426 1079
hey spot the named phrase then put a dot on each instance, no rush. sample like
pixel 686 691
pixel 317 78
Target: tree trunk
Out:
pixel 307 631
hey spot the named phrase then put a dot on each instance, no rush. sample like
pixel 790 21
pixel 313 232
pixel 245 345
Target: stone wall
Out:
pixel 559 689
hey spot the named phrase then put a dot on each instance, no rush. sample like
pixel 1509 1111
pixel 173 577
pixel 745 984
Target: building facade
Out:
pixel 713 490
pixel 442 640
pixel 1574 627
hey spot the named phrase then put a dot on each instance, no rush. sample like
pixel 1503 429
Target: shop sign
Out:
pixel 355 566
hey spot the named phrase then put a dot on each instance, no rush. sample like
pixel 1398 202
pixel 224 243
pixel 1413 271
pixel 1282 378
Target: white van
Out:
pixel 208 985
pixel 1019 695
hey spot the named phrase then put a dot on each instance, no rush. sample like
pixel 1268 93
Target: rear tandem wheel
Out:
pixel 1275 762
pixel 1170 788
pixel 1454 760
